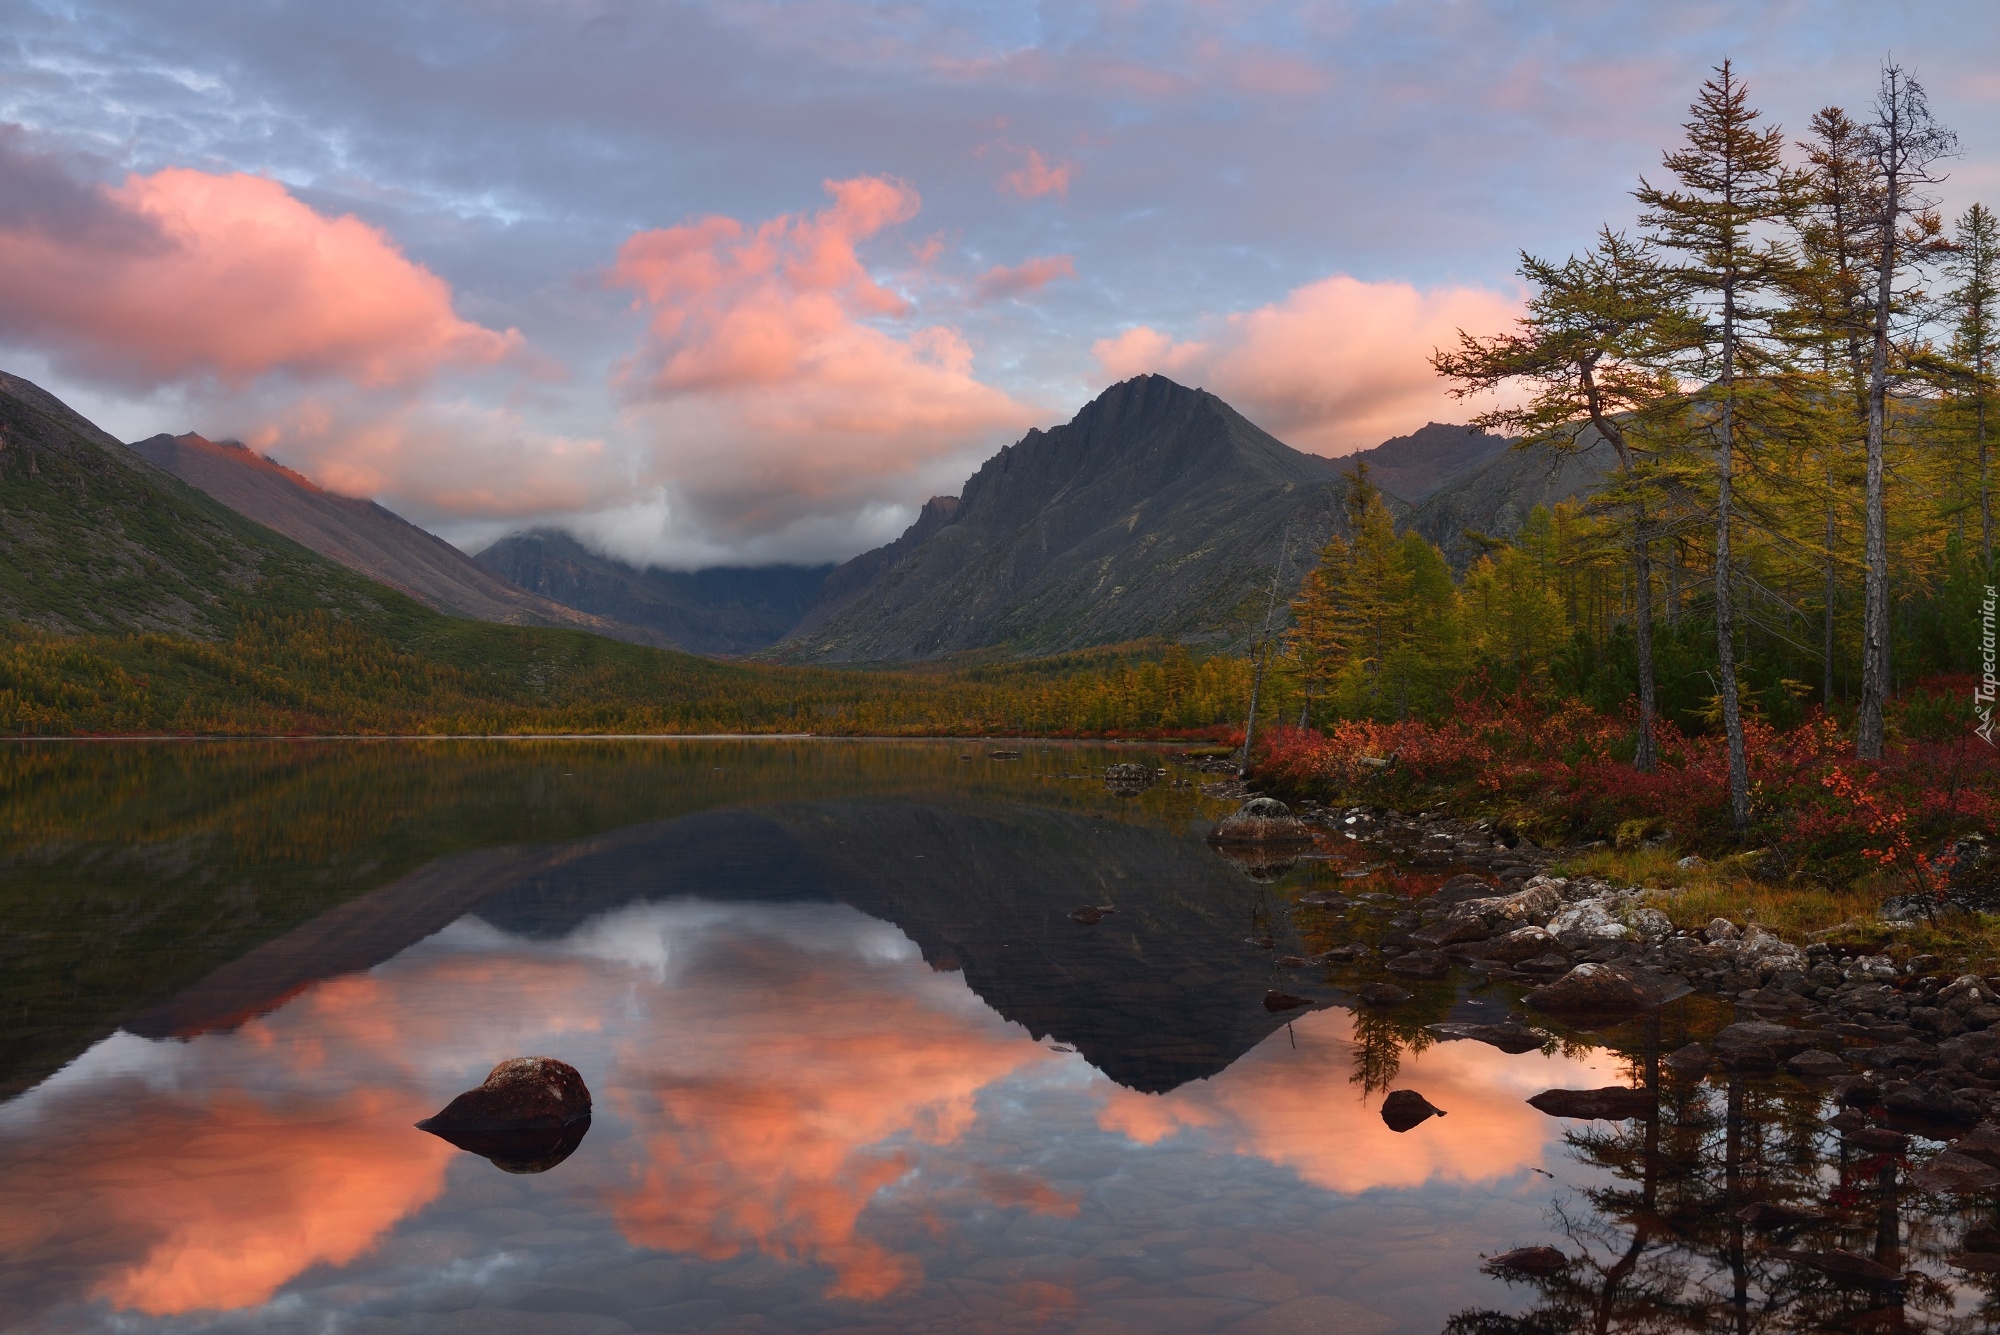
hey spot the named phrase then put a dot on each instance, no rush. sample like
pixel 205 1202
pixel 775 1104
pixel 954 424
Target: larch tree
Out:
pixel 1905 145
pixel 1974 306
pixel 1588 352
pixel 1733 186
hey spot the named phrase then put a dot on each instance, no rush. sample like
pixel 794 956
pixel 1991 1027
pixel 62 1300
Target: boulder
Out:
pixel 1934 1103
pixel 1460 888
pixel 1262 820
pixel 529 1115
pixel 1540 1262
pixel 1523 943
pixel 1981 1143
pixel 1688 1062
pixel 1276 1001
pixel 1816 1065
pixel 1420 964
pixel 1405 1108
pixel 1581 926
pixel 1759 1045
pixel 1605 988
pixel 1613 1103
pixel 1956 1175
pixel 1512 1037
pixel 1843 1267
pixel 1384 994
pixel 1877 1139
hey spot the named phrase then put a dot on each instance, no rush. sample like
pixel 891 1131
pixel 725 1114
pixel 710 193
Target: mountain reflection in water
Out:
pixel 855 1068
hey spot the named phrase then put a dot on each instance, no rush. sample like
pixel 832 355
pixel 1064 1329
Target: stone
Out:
pixel 1758 1044
pixel 1384 994
pixel 1261 820
pixel 1815 1065
pixel 1930 1102
pixel 1877 1140
pixel 1460 888
pixel 1613 1103
pixel 1511 1037
pixel 1688 1062
pixel 528 1116
pixel 1404 1109
pixel 1956 1174
pixel 1091 914
pixel 1981 1143
pixel 1420 964
pixel 1843 1267
pixel 1719 930
pixel 1541 1262
pixel 1604 988
pixel 1276 1001
pixel 1523 943
pixel 1768 1218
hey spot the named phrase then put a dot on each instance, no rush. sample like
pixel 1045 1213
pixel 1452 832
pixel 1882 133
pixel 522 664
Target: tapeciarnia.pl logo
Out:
pixel 1982 695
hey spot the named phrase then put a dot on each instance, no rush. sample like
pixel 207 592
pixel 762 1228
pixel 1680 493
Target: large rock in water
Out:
pixel 1598 989
pixel 1262 820
pixel 529 1115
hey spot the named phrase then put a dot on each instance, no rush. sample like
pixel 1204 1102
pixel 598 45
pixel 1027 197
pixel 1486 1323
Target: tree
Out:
pixel 1588 348
pixel 1905 143
pixel 1512 607
pixel 1733 183
pixel 1974 302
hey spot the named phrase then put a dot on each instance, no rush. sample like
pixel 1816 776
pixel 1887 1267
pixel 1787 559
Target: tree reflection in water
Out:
pixel 1736 1208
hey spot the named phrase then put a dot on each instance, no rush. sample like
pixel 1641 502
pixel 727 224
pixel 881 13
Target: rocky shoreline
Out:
pixel 1894 1043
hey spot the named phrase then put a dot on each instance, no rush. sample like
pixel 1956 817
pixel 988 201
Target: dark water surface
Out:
pixel 855 1068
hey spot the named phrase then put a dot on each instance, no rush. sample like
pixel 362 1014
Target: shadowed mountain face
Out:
pixel 95 539
pixel 1496 497
pixel 1158 511
pixel 1157 994
pixel 363 536
pixel 721 610
pixel 1411 467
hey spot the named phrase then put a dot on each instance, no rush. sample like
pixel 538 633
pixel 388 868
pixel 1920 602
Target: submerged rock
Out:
pixel 1613 1103
pixel 1384 994
pixel 1843 1267
pixel 1768 1218
pixel 1688 1062
pixel 1276 1001
pixel 1540 1262
pixel 1091 914
pixel 1511 1037
pixel 1405 1108
pixel 529 1115
pixel 1420 964
pixel 1957 1175
pixel 1262 820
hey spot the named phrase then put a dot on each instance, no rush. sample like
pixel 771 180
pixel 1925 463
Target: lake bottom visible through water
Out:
pixel 855 1066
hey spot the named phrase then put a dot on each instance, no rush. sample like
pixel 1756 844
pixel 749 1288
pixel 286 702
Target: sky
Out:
pixel 739 281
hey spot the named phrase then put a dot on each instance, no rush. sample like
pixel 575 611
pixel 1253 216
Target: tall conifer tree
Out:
pixel 1732 185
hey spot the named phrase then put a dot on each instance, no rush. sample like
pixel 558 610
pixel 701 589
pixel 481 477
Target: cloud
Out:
pixel 1277 1103
pixel 1020 279
pixel 779 375
pixel 1037 176
pixel 1338 365
pixel 186 275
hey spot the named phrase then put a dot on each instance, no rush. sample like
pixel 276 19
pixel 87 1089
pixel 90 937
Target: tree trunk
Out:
pixel 1250 724
pixel 1832 595
pixel 1725 617
pixel 1875 526
pixel 1985 491
pixel 1647 757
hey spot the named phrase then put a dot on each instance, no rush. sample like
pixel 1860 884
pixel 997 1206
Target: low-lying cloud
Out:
pixel 1337 366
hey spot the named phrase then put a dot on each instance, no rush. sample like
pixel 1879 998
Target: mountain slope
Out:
pixel 1496 497
pixel 94 539
pixel 720 610
pixel 365 537
pixel 1411 467
pixel 1158 511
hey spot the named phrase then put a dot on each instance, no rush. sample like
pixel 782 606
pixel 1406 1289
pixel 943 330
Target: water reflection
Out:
pixel 857 1066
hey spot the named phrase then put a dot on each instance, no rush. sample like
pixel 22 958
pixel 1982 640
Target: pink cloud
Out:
pixel 230 277
pixel 776 368
pixel 1337 366
pixel 1037 176
pixel 1020 279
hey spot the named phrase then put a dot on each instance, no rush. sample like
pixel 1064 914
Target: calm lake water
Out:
pixel 855 1068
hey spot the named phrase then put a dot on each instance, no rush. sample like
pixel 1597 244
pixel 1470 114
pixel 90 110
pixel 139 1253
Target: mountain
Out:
pixel 365 537
pixel 1411 467
pixel 1157 511
pixel 93 539
pixel 1496 497
pixel 720 610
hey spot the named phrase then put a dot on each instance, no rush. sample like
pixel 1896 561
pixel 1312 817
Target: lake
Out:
pixel 855 1066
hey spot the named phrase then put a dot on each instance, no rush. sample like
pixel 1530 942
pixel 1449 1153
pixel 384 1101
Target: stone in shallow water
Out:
pixel 1420 964
pixel 1613 1103
pixel 529 1115
pixel 1276 1001
pixel 1511 1037
pixel 1539 1261
pixel 1688 1062
pixel 1405 1108
pixel 1815 1064
pixel 1384 994
pixel 1845 1268
pixel 1956 1174
pixel 1767 1218
pixel 1606 988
